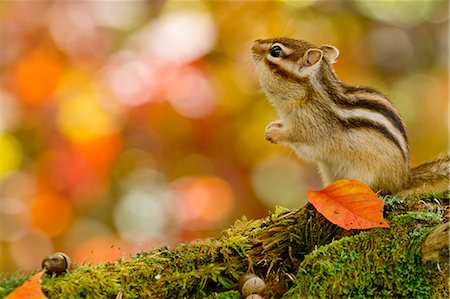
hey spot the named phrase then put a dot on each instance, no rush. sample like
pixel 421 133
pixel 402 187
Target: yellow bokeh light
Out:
pixel 81 118
pixel 10 154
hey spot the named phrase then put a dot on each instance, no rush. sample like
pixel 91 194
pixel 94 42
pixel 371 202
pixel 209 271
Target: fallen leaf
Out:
pixel 349 204
pixel 30 289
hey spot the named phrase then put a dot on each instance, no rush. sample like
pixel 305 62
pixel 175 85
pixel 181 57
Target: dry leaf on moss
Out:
pixel 349 204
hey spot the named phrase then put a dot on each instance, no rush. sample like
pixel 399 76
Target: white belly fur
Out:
pixel 334 168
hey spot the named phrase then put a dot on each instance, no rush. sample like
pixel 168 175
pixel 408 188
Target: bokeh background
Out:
pixel 128 125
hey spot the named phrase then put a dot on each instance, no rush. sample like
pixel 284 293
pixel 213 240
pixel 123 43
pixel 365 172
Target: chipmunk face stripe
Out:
pixel 281 55
pixel 280 71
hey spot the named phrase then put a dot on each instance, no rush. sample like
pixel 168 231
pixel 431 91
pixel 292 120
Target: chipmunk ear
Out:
pixel 309 62
pixel 330 53
pixel 311 57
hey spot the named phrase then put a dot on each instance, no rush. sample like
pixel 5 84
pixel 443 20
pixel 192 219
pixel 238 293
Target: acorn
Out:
pixel 56 263
pixel 249 284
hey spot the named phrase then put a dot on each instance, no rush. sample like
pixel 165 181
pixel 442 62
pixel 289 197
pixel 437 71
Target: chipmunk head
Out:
pixel 284 62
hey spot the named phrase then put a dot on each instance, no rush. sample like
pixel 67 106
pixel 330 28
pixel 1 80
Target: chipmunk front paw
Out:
pixel 274 131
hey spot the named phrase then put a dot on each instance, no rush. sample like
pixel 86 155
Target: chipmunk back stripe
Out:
pixel 375 113
pixel 349 89
pixel 374 117
pixel 377 107
pixel 356 123
pixel 369 98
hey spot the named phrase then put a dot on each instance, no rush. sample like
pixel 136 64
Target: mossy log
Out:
pixel 299 254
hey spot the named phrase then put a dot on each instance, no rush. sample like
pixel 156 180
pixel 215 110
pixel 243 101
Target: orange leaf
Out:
pixel 31 289
pixel 349 204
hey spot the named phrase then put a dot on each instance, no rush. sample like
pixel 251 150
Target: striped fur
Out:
pixel 364 108
pixel 350 132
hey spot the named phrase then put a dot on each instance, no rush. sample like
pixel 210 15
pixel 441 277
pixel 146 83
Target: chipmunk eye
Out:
pixel 276 51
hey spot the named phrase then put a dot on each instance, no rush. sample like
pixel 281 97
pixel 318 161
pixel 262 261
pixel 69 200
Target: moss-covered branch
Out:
pixel 272 247
pixel 297 253
pixel 380 263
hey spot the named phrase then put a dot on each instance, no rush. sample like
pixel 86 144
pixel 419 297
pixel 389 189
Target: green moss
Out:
pixel 381 263
pixel 427 201
pixel 392 203
pixel 225 295
pixel 424 216
pixel 193 270
pixel 442 197
pixel 272 248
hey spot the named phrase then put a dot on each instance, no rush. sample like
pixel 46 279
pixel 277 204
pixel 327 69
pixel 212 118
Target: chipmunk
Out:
pixel 350 132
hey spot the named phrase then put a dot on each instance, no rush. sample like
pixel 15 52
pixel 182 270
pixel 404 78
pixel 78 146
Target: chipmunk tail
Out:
pixel 431 176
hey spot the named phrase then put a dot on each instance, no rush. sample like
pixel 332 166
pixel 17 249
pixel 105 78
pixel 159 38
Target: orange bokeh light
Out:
pixel 36 76
pixel 101 151
pixel 101 249
pixel 203 200
pixel 51 213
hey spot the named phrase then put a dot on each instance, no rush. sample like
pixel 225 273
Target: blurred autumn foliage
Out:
pixel 129 125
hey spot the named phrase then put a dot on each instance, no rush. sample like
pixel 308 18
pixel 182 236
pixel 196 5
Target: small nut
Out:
pixel 249 284
pixel 57 263
pixel 254 296
pixel 243 279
